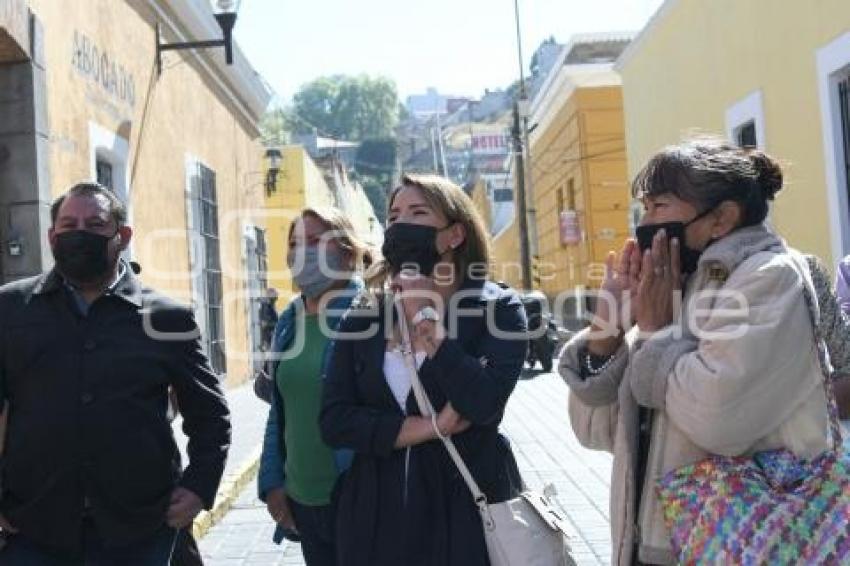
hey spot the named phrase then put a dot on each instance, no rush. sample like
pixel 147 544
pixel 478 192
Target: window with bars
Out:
pixel 262 256
pixel 256 258
pixel 209 292
pixel 844 107
pixel 105 175
pixel 745 135
pixel 503 195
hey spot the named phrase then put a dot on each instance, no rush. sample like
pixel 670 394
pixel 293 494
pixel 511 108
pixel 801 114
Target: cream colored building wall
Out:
pixel 698 58
pixel 169 118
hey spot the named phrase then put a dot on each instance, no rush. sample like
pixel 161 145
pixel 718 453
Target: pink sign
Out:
pixel 570 230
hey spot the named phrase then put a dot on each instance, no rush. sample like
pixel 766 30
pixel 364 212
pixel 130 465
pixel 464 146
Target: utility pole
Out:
pixel 519 161
pixel 531 207
pixel 525 191
pixel 471 169
pixel 434 151
pixel 445 172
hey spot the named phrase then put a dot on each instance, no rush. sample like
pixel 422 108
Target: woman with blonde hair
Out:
pixel 403 501
pixel 298 471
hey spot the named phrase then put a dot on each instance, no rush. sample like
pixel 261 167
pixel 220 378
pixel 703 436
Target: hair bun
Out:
pixel 769 174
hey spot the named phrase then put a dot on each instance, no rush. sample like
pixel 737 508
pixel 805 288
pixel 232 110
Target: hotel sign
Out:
pixel 14 31
pixel 101 68
pixel 490 143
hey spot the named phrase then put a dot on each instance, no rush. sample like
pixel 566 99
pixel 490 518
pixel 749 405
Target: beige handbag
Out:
pixel 524 531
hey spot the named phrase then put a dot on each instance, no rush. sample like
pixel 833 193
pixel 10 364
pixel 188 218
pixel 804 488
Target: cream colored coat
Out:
pixel 747 380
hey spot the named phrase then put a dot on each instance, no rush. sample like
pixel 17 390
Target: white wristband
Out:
pixel 437 430
pixel 425 313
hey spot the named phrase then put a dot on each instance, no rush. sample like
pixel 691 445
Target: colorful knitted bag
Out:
pixel 772 508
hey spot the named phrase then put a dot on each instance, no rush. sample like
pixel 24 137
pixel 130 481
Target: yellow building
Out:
pixel 304 183
pixel 300 184
pixel 504 236
pixel 578 166
pixel 83 101
pixel 774 73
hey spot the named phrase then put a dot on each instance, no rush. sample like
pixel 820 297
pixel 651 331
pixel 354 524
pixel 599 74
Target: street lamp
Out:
pixel 225 14
pixel 275 160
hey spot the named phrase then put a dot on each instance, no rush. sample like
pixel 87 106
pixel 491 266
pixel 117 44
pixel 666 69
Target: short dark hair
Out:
pixel 707 171
pixel 117 209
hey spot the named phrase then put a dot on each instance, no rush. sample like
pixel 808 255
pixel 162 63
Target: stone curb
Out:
pixel 228 491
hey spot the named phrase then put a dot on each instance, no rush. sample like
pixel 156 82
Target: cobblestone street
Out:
pixel 547 452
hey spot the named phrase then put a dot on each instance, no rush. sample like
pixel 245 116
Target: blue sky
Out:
pixel 458 46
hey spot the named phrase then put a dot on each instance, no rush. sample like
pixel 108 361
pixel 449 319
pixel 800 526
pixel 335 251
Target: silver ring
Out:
pixel 661 271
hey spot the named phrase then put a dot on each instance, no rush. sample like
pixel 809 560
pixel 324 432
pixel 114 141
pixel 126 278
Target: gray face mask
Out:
pixel 312 275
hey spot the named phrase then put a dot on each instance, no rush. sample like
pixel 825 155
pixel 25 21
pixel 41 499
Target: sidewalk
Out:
pixel 547 452
pixel 248 419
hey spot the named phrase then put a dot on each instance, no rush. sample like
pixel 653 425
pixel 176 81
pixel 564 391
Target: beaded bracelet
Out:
pixel 588 363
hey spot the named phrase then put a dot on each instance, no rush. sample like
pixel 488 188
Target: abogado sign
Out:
pixel 100 67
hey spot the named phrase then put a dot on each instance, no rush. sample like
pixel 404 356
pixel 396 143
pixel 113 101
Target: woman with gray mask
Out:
pixel 297 470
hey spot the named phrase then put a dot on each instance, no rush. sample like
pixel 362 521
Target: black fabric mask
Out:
pixel 413 246
pixel 688 257
pixel 82 256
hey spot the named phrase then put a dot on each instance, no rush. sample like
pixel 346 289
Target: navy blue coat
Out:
pixel 410 506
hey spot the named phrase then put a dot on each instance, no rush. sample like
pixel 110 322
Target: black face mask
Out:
pixel 413 246
pixel 688 257
pixel 82 256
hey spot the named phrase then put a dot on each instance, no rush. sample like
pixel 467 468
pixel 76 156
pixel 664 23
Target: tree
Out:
pixel 353 108
pixel 376 157
pixel 275 127
pixel 513 90
pixel 534 65
pixel 346 107
pixel 375 165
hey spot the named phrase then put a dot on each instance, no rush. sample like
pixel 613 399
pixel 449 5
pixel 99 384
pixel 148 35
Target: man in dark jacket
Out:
pixel 91 472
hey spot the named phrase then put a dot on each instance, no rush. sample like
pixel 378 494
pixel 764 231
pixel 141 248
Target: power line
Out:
pixel 554 168
pixel 596 140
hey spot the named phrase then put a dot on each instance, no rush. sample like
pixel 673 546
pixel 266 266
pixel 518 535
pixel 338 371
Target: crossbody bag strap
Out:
pixel 826 377
pixel 427 410
pixel 820 348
